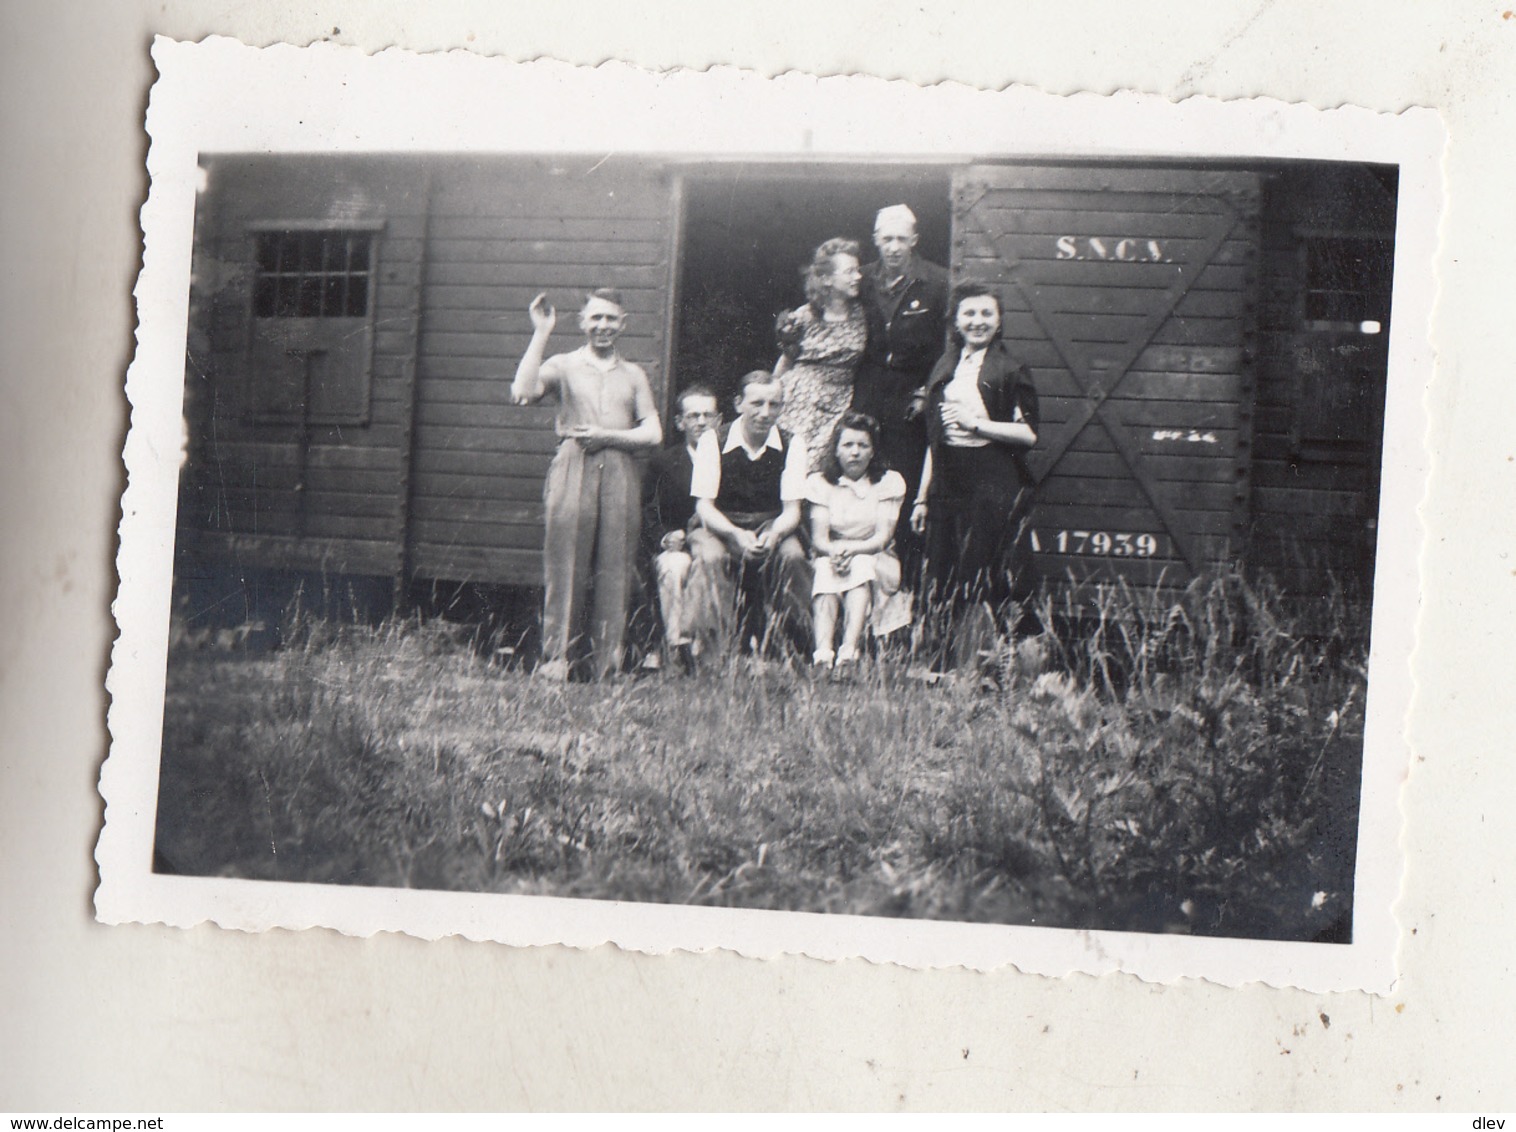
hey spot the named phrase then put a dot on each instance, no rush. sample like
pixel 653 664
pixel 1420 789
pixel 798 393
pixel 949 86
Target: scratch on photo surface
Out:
pixel 1202 66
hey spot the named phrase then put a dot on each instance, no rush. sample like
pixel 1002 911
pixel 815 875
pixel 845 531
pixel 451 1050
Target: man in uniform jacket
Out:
pixel 907 298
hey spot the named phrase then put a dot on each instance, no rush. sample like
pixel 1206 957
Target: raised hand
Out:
pixel 543 316
pixel 788 331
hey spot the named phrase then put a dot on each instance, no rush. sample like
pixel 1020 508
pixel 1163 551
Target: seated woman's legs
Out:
pixel 856 603
pixel 824 626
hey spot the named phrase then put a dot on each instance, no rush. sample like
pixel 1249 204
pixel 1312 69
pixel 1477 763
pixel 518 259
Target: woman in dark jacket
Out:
pixel 974 502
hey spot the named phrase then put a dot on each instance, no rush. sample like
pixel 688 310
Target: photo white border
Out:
pixel 221 96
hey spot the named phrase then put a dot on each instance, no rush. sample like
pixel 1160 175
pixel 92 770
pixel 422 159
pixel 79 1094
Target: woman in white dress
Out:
pixel 855 502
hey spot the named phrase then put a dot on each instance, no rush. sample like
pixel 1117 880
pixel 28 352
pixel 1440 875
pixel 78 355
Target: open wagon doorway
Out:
pixel 747 232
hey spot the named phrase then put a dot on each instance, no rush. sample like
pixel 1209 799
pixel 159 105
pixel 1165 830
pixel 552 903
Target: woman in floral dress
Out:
pixel 821 344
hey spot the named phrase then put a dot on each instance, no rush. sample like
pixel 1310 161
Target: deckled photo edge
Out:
pixel 130 892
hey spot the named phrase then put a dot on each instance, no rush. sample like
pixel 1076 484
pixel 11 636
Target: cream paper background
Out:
pixel 158 1019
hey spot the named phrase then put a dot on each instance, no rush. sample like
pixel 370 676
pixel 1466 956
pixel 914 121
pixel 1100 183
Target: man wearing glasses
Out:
pixel 666 522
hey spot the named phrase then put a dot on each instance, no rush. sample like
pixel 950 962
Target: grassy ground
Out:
pixel 1183 766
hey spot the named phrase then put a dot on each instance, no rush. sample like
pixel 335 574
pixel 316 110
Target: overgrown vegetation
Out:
pixel 1179 764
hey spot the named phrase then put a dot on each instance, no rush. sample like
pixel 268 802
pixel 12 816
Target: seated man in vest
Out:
pixel 669 515
pixel 748 482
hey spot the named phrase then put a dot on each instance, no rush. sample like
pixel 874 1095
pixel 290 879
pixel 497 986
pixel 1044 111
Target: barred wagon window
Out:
pixel 1339 350
pixel 312 274
pixel 311 342
pixel 1347 284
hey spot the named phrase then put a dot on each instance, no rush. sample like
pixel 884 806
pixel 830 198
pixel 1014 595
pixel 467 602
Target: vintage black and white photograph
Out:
pixel 976 534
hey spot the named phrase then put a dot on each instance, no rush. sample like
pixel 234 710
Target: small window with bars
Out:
pixel 314 292
pixel 1347 284
pixel 1339 353
pixel 312 274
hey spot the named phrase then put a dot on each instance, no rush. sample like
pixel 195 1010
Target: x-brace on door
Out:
pixel 1130 293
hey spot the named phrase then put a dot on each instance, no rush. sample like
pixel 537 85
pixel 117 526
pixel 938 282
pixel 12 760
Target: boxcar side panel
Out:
pixel 501 231
pixel 1328 241
pixel 297 401
pixel 1130 295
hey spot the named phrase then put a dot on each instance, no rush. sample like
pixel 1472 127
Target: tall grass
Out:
pixel 1182 763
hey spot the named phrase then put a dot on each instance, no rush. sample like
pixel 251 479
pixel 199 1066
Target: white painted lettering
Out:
pixel 1114 249
pixel 1188 436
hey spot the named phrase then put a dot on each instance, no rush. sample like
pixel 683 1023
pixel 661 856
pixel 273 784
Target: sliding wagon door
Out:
pixel 1129 292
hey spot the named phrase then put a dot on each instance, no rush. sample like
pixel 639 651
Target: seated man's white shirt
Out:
pixel 705 474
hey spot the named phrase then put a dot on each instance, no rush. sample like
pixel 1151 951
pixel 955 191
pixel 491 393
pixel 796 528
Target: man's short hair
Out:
pixel 754 377
pixel 895 212
pixel 605 294
pixel 694 391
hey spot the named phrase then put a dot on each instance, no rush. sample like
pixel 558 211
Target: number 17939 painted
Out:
pixel 1112 544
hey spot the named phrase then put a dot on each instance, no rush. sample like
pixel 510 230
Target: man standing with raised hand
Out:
pixel 593 496
pixel 909 296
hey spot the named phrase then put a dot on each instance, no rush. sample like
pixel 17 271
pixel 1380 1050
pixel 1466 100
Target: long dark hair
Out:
pixel 965 291
pixel 831 467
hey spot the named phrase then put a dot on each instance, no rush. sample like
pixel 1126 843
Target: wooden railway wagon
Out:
pixel 1208 342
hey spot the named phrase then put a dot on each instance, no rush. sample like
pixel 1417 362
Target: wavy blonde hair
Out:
pixel 817 275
